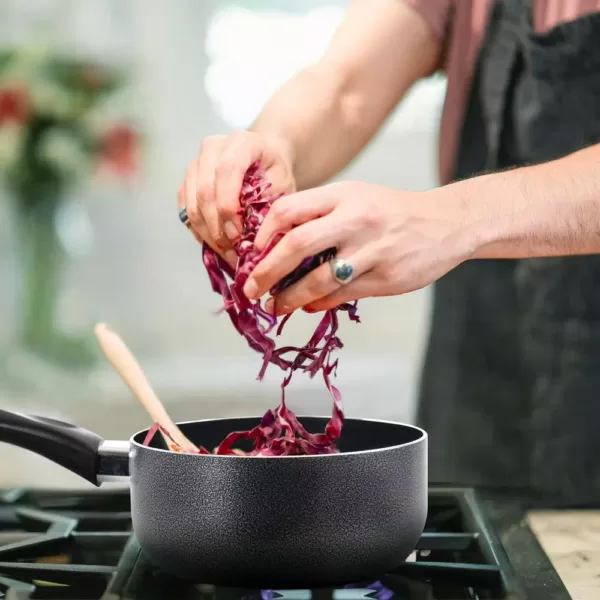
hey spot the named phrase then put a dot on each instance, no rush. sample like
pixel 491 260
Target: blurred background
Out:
pixel 102 105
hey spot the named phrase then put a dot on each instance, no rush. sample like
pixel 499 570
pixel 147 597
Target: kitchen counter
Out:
pixel 572 542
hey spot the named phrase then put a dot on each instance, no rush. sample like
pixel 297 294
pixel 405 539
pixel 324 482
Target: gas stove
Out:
pixel 79 545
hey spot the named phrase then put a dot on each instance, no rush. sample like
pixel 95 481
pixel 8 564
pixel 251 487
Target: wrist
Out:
pixel 282 145
pixel 550 209
pixel 486 206
pixel 286 149
pixel 466 231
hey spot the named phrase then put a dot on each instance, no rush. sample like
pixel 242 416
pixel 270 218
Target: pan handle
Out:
pixel 81 451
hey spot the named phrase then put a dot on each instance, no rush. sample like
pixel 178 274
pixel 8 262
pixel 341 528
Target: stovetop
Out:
pixel 63 545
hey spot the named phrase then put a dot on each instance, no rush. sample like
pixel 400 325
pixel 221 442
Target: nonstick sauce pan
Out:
pixel 282 522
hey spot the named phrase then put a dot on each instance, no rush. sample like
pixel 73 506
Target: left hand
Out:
pixel 397 242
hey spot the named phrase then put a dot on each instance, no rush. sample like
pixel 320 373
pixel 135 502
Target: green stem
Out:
pixel 42 269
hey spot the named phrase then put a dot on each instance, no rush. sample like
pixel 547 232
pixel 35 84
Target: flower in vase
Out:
pixel 14 104
pixel 60 117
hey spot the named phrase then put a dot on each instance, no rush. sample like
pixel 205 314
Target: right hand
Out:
pixel 213 180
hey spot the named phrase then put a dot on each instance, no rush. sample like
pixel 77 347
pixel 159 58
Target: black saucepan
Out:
pixel 300 521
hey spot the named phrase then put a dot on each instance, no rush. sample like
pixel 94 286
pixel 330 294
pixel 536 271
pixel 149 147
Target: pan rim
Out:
pixel 421 439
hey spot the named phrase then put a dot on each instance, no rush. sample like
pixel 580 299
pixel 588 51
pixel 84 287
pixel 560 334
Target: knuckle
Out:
pixel 219 238
pixel 226 166
pixel 195 216
pixel 210 143
pixel 213 226
pixel 296 241
pixel 369 217
pixel 226 208
pixel 388 249
pixel 279 211
pixel 241 135
pixel 204 193
pixel 387 274
pixel 369 220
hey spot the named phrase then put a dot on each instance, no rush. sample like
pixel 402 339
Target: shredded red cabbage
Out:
pixel 279 432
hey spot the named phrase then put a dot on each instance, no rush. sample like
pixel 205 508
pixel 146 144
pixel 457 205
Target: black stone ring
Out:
pixel 342 270
pixel 183 216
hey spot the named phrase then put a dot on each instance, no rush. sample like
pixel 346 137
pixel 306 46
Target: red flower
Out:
pixel 119 149
pixel 14 105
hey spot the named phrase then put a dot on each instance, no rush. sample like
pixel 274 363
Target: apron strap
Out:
pixel 520 14
pixel 499 52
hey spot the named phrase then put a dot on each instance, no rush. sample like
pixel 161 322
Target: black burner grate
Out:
pixel 60 545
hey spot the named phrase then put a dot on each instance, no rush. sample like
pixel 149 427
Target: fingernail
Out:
pixel 276 309
pixel 230 230
pixel 282 309
pixel 251 289
pixel 310 311
pixel 231 257
pixel 270 306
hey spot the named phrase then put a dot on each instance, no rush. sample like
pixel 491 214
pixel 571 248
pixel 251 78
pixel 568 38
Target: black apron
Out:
pixel 510 390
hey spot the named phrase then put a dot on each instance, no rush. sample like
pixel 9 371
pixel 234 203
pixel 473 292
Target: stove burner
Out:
pixel 78 545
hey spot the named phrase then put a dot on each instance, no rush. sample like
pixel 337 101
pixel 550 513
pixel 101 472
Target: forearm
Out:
pixel 552 209
pixel 317 123
pixel 327 113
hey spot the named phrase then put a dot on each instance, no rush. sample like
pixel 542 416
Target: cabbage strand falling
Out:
pixel 279 432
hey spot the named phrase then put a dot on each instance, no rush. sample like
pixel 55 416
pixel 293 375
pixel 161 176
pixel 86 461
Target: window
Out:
pixel 244 70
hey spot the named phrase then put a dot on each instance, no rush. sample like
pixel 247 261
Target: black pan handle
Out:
pixel 71 447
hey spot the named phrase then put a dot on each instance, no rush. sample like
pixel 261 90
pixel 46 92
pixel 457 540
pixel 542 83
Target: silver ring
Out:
pixel 183 216
pixel 342 270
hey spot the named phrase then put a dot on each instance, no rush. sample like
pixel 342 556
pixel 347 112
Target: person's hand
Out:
pixel 211 189
pixel 396 241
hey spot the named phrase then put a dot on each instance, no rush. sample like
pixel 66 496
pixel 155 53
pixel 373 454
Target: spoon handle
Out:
pixel 130 371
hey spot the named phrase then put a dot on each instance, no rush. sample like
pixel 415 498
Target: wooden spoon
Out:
pixel 128 368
